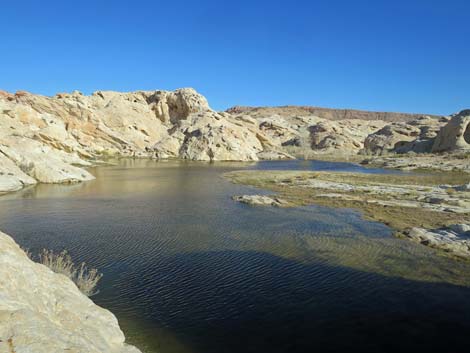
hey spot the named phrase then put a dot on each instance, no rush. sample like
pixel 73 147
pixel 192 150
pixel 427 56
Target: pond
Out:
pixel 186 269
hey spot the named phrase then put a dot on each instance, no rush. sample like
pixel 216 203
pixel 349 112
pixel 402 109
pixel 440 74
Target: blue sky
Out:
pixel 410 56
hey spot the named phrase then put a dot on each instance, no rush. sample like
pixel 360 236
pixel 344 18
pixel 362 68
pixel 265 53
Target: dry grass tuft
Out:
pixel 84 278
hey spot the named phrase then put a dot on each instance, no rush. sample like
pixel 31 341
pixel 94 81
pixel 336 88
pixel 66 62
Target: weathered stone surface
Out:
pixel 217 137
pixel 12 178
pixel 454 239
pixel 42 162
pixel 44 312
pixel 413 196
pixel 455 136
pixel 261 200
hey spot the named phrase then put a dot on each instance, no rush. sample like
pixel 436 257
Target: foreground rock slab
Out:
pixel 44 312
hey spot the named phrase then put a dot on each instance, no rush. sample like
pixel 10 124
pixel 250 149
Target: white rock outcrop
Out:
pixel 44 312
pixel 52 139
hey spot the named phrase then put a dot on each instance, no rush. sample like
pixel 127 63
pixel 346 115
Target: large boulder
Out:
pixel 177 105
pixel 401 137
pixel 390 137
pixel 455 136
pixel 212 136
pixel 42 311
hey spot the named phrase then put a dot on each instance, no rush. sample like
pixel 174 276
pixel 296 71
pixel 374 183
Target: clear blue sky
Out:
pixel 387 55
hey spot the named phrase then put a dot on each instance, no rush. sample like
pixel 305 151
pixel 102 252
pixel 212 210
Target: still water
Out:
pixel 186 269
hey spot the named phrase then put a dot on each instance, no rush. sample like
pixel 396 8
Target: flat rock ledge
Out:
pixel 261 200
pixel 454 239
pixel 43 312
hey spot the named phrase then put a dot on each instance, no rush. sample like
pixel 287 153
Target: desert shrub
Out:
pixel 84 278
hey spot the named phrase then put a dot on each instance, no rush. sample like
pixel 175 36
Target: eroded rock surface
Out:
pixel 44 312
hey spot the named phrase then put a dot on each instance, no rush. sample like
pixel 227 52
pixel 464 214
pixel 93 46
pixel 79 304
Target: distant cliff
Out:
pixel 326 113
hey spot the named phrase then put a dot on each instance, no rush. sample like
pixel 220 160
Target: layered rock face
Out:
pixel 326 113
pixel 43 312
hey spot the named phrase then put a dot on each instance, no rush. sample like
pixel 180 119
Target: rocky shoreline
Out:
pixel 43 312
pixel 422 207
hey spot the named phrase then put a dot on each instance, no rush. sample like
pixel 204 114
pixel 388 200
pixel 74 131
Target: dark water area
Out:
pixel 186 269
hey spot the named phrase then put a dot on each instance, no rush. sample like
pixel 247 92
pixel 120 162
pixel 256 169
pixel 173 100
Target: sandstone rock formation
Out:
pixel 401 137
pixel 455 136
pixel 52 139
pixel 211 136
pixel 44 312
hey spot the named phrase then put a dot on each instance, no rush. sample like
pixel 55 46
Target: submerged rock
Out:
pixel 42 311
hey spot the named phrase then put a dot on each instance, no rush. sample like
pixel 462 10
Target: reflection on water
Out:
pixel 186 269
